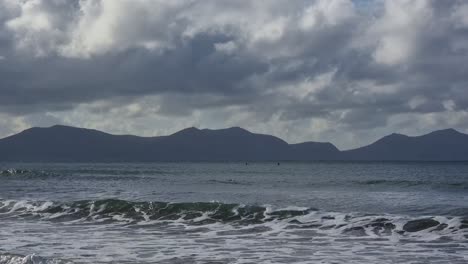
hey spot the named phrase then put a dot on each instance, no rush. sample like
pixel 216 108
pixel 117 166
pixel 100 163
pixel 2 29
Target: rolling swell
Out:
pixel 413 183
pixel 14 172
pixel 114 209
pixel 253 217
pixel 7 258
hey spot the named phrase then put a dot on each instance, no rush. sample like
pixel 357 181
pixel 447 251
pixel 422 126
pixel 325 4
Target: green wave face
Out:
pixel 111 209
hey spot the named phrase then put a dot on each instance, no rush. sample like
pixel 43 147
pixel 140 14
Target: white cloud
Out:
pixel 109 25
pixel 226 47
pixel 93 27
pixel 11 125
pixel 327 13
pixel 460 15
pixel 396 32
pixel 449 105
pixel 37 27
pixel 306 89
pixel 416 102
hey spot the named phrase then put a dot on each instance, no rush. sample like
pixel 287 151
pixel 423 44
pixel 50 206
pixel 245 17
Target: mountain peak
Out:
pixel 187 131
pixel 396 135
pixel 61 126
pixel 58 127
pixel 448 131
pixel 61 130
pixel 64 127
pixel 392 137
pixel 238 129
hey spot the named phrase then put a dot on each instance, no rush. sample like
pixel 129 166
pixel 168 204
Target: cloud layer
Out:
pixel 328 70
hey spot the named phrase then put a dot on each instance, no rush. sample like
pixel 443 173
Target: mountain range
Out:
pixel 70 144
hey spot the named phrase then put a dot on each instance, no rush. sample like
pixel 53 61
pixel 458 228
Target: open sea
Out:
pixel 321 212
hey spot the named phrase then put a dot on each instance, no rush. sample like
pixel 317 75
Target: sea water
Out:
pixel 318 212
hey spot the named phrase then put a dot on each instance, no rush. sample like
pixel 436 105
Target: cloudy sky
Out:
pixel 343 71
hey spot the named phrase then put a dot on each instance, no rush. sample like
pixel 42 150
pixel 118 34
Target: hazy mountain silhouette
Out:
pixel 70 144
pixel 441 145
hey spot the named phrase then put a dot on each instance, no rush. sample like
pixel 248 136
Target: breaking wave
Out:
pixel 13 171
pixel 241 216
pixel 113 209
pixel 7 258
pixel 23 173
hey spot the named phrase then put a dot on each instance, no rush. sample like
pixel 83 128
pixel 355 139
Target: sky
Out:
pixel 343 71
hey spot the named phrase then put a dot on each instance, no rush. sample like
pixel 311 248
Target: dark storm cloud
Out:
pixel 194 67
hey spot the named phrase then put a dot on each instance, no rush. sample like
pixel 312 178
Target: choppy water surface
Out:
pixel 234 213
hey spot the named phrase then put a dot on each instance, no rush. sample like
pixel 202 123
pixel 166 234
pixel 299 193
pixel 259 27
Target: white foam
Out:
pixel 28 259
pixel 267 242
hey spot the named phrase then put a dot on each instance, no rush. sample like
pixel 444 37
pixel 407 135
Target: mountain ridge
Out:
pixel 61 143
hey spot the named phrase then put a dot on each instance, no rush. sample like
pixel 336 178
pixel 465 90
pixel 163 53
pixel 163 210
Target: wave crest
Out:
pixel 7 258
pixel 114 209
pixel 236 215
pixel 23 172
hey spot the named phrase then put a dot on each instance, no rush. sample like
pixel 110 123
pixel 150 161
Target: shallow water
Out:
pixel 328 212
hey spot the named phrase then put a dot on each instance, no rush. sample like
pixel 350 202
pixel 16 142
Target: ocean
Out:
pixel 318 212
